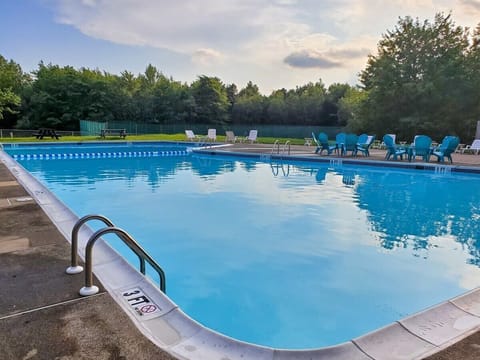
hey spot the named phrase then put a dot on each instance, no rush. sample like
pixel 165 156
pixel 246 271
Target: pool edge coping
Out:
pixel 183 336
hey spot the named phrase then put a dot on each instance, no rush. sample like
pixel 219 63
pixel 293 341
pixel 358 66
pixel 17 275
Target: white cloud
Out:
pixel 258 40
pixel 207 57
pixel 471 4
pixel 91 3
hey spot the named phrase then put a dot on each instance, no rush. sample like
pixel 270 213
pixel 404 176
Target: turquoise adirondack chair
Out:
pixel 350 144
pixel 340 142
pixel 392 149
pixel 322 143
pixel 421 147
pixel 363 145
pixel 446 148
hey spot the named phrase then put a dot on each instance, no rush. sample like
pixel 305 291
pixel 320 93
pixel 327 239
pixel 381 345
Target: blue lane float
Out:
pixel 100 155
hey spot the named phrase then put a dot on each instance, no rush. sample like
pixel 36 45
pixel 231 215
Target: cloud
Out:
pixel 349 53
pixel 181 26
pixel 91 3
pixel 306 59
pixel 207 57
pixel 471 4
pixel 256 40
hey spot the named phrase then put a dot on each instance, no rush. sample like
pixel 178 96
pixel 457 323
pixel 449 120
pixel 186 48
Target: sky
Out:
pixel 273 43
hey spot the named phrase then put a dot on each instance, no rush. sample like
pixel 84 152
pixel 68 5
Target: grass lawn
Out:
pixel 159 137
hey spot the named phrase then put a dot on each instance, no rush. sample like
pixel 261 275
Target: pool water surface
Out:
pixel 287 255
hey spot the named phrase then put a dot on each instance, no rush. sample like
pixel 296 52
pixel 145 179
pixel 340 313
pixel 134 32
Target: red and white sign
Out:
pixel 139 302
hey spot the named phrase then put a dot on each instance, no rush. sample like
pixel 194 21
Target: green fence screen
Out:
pixel 88 127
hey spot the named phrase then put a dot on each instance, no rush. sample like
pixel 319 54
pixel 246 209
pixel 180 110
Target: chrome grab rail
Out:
pixel 277 144
pixel 89 288
pixel 74 268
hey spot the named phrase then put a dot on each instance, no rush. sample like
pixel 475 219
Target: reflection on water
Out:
pixel 410 207
pixel 311 254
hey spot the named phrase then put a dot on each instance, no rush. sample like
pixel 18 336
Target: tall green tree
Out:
pixel 61 96
pixel 249 105
pixel 330 110
pixel 211 101
pixel 171 101
pixel 308 103
pixel 350 110
pixel 277 108
pixel 232 93
pixel 418 82
pixel 12 82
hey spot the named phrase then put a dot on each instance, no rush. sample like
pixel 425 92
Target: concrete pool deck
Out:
pixel 51 320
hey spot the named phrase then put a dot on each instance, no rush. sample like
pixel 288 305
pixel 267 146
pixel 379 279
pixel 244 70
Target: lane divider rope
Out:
pixel 100 155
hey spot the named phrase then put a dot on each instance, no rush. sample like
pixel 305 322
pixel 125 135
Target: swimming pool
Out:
pixel 286 255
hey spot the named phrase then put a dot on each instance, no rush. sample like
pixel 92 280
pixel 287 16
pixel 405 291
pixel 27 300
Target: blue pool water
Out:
pixel 295 255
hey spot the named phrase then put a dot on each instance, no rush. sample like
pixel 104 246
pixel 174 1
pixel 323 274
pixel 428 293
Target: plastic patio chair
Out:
pixel 252 136
pixel 392 149
pixel 322 143
pixel 421 147
pixel 364 143
pixel 230 137
pixel 212 134
pixel 446 148
pixel 190 135
pixel 474 148
pixel 340 140
pixel 350 144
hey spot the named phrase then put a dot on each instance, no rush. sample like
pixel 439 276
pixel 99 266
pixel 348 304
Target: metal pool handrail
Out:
pixel 287 144
pixel 277 145
pixel 285 147
pixel 89 288
pixel 74 268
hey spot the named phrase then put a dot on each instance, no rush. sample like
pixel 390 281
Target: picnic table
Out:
pixel 42 132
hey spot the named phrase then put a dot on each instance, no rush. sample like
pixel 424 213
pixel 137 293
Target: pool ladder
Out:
pixel 74 268
pixel 285 148
pixel 443 170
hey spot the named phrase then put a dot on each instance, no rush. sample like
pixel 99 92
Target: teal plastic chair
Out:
pixel 362 139
pixel 340 142
pixel 322 143
pixel 392 149
pixel 446 148
pixel 421 147
pixel 350 144
pixel 363 145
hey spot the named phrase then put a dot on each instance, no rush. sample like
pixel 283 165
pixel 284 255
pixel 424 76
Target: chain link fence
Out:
pixel 88 127
pixel 94 128
pixel 17 133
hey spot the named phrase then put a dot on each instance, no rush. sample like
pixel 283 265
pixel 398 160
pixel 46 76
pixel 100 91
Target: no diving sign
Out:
pixel 140 303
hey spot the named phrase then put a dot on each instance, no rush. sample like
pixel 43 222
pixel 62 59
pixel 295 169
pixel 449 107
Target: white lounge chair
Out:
pixel 474 148
pixel 190 135
pixel 212 134
pixel 460 148
pixel 230 137
pixel 252 136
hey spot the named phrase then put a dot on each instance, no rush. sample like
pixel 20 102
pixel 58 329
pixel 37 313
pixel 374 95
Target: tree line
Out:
pixel 424 78
pixel 59 97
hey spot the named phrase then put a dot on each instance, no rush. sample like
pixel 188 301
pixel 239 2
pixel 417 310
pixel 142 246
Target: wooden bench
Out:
pixel 121 132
